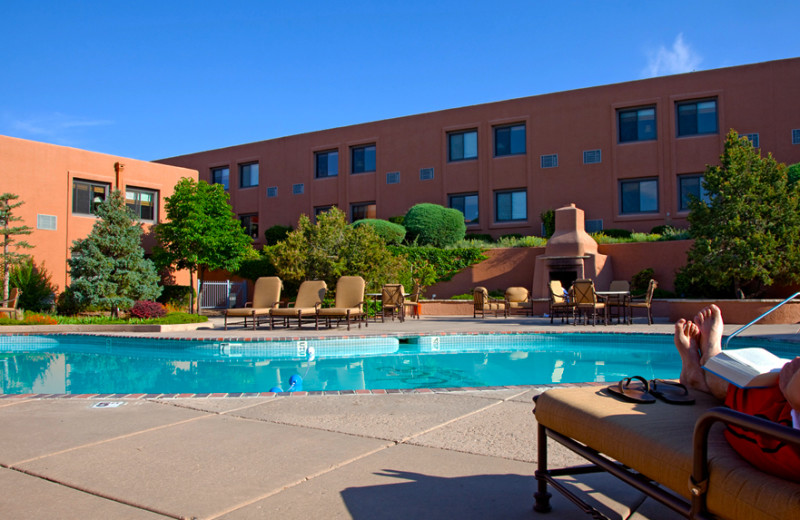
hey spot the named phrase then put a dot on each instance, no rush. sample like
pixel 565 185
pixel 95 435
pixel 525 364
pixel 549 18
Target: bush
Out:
pixel 176 296
pixel 36 286
pixel 549 220
pixel 617 233
pixel 69 303
pixel 391 233
pixel 399 219
pixel 512 236
pixel 276 234
pixel 255 268
pixel 479 236
pixel 145 309
pixel 641 281
pixel 434 225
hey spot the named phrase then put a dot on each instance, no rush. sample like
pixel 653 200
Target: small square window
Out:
pixel 509 140
pixel 549 161
pixel 638 124
pixel 594 225
pixel 393 178
pixel 462 146
pixel 362 159
pixel 697 117
pixel 638 196
pixel 796 136
pixel 426 174
pixel 510 206
pixel 248 175
pixel 592 157
pixel 143 203
pixel 362 210
pixel 250 224
pixel 318 210
pixel 753 138
pixel 690 186
pixel 220 176
pixel 87 195
pixel 327 164
pixel 298 189
pixel 466 203
pixel 47 222
pixel 272 192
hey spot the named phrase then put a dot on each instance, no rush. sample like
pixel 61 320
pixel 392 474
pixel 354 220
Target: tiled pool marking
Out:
pixel 296 394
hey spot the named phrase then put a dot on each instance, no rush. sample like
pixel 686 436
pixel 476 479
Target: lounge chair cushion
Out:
pixel 656 440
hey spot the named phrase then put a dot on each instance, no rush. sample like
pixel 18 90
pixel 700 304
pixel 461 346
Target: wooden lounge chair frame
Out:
pixel 9 306
pixel 699 481
pixel 392 301
pixel 481 304
pixel 411 305
pixel 349 303
pixel 266 296
pixel 586 299
pixel 647 303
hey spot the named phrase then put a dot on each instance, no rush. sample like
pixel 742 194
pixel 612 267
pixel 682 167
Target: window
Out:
pixel 690 185
pixel 248 175
pixel 272 192
pixel 638 124
pixel 592 157
pixel 250 224
pixel 393 178
pixel 466 203
pixel 549 161
pixel 511 206
pixel 593 225
pixel 509 140
pixel 87 195
pixel 298 189
pixel 318 210
pixel 796 136
pixel 462 146
pixel 327 164
pixel 362 159
pixel 638 196
pixel 144 203
pixel 362 211
pixel 697 117
pixel 48 222
pixel 220 176
pixel 753 138
pixel 426 174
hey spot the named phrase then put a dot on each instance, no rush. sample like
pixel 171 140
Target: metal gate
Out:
pixel 217 295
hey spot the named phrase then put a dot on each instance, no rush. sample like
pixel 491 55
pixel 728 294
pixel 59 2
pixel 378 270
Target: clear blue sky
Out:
pixel 153 79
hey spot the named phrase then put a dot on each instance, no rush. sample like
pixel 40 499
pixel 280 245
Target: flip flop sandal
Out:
pixel 670 392
pixel 633 394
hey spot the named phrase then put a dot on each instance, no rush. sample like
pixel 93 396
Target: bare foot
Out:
pixel 709 321
pixel 692 374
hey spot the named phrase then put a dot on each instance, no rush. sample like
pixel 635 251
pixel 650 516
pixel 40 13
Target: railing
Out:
pixel 217 295
pixel 743 327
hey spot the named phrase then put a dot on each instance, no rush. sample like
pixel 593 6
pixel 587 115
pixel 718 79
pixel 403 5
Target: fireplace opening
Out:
pixel 565 277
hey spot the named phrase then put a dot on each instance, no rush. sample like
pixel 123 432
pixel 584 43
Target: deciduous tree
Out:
pixel 201 232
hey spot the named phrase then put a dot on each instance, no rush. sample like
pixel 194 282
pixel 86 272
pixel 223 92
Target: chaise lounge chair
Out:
pixel 266 296
pixel 518 301
pixel 676 455
pixel 349 303
pixel 483 304
pixel 309 299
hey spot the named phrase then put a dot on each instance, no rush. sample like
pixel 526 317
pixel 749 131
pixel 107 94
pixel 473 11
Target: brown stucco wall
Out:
pixel 42 175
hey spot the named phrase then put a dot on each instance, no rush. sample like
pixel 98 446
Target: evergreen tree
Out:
pixel 747 233
pixel 8 232
pixel 201 232
pixel 108 268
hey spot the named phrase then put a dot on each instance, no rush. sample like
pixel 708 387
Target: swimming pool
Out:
pixel 76 364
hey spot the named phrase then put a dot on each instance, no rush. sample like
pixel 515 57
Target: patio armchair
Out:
pixel 9 306
pixel 560 305
pixel 586 301
pixel 619 302
pixel 518 301
pixel 309 299
pixel 348 305
pixel 411 305
pixel 646 303
pixel 392 301
pixel 266 296
pixel 483 304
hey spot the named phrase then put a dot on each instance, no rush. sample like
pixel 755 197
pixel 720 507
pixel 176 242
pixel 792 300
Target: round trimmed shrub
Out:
pixel 145 309
pixel 391 233
pixel 434 225
pixel 276 234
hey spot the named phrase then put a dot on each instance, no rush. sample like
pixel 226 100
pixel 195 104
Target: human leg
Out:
pixel 710 326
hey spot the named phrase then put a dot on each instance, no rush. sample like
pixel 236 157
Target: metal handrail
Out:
pixel 743 327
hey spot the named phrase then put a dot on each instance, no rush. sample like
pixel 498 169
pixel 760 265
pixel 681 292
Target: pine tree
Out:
pixel 11 258
pixel 108 268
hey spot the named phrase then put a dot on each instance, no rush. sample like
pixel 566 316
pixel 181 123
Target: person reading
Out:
pixel 698 341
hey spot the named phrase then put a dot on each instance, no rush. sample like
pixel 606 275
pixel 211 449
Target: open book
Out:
pixel 747 367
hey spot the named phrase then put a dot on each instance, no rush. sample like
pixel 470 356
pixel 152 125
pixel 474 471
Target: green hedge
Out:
pixel 391 233
pixel 445 262
pixel 434 225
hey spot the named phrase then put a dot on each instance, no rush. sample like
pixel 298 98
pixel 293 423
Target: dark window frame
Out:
pixel 684 191
pixel 358 206
pixel 368 158
pixel 88 202
pixel 462 205
pixel 227 176
pixel 322 164
pixel 136 206
pixel 505 149
pixel 248 166
pixel 624 197
pixel 632 124
pixel 689 122
pixel 497 205
pixel 249 224
pixel 453 139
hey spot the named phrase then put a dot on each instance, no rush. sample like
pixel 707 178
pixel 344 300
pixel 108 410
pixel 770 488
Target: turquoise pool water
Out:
pixel 74 364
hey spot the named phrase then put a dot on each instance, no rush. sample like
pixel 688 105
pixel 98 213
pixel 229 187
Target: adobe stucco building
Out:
pixel 628 154
pixel 61 186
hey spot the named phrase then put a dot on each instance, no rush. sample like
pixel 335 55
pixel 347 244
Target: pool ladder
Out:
pixel 744 327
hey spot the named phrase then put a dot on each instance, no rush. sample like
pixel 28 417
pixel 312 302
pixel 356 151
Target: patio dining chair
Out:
pixel 587 301
pixel 483 304
pixel 560 305
pixel 392 301
pixel 411 304
pixel 646 303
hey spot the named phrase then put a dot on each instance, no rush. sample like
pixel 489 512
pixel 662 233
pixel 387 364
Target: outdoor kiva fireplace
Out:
pixel 570 254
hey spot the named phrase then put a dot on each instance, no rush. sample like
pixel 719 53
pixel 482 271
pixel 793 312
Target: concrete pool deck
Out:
pixel 467 454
